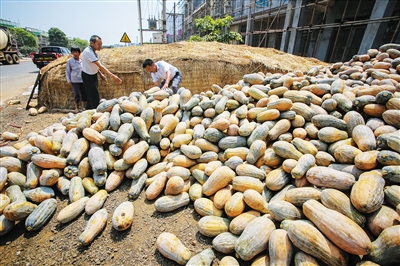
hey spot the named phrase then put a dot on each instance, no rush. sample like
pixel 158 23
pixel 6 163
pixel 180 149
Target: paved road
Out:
pixel 16 79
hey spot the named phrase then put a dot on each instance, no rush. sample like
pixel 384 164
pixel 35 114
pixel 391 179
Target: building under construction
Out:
pixel 329 30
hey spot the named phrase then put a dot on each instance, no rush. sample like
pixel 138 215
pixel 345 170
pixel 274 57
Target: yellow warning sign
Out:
pixel 125 38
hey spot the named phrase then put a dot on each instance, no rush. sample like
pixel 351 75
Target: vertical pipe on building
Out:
pixel 293 43
pixel 248 27
pixel 309 29
pixel 164 22
pixel 351 34
pixel 140 23
pixel 320 30
pixel 174 24
pixel 288 21
pixel 261 23
pixel 241 20
pixel 396 31
pixel 338 33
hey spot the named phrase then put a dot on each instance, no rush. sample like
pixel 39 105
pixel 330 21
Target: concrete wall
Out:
pixel 375 31
pixel 336 25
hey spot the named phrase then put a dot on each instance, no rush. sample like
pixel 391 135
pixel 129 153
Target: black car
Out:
pixel 49 53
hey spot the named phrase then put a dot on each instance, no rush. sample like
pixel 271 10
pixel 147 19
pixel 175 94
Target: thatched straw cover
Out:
pixel 202 64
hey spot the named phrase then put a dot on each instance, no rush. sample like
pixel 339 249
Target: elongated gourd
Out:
pixel 297 196
pixel 124 133
pixel 304 163
pixel 26 152
pixel 212 226
pixel 286 150
pixel 367 193
pixel 171 202
pixel 94 136
pixel 49 161
pixel 217 180
pixel 203 258
pixel 67 143
pixel 135 152
pixel 385 249
pixel 254 200
pixel 242 183
pixel 97 160
pixel 254 238
pixel 72 210
pixel 280 249
pixel 41 215
pixel 225 242
pixel 101 123
pixel 114 179
pixel 171 247
pixel 140 127
pixel 336 200
pixel 310 240
pixel 157 186
pixel 5 225
pixel 95 225
pixel 96 202
pixel 327 177
pixel 340 229
pixel 78 150
pixel 282 210
pixel 44 144
pixel 39 194
pixel 303 259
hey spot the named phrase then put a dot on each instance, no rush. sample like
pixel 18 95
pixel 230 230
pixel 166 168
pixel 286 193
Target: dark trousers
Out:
pixel 91 84
pixel 174 82
pixel 79 92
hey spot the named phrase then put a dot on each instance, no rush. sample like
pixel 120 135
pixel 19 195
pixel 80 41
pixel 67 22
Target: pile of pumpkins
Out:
pixel 284 168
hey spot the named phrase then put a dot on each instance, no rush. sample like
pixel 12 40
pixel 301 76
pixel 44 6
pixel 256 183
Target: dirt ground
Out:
pixel 57 244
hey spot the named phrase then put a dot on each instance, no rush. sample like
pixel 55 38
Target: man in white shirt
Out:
pixel 169 74
pixel 90 67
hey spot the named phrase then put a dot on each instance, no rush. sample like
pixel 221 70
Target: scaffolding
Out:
pixel 330 30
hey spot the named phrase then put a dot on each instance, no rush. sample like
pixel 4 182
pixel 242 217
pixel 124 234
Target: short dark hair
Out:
pixel 75 49
pixel 147 62
pixel 94 38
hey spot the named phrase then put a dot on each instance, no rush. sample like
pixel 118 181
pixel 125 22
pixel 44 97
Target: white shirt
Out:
pixel 88 58
pixel 162 68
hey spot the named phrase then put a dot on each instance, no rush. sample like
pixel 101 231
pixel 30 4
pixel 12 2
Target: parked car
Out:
pixel 47 54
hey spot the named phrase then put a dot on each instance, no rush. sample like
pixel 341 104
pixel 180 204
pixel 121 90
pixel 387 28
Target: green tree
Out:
pixel 57 37
pixel 26 41
pixel 77 42
pixel 215 30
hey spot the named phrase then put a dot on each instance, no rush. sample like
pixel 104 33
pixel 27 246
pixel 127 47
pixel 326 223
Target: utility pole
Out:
pixel 164 28
pixel 140 23
pixel 174 24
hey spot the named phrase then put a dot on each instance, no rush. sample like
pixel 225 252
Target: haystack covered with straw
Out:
pixel 202 64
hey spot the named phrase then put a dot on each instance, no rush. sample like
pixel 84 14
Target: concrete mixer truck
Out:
pixel 8 48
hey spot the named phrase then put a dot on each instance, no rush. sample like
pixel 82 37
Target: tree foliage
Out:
pixel 215 30
pixel 77 42
pixel 26 41
pixel 57 37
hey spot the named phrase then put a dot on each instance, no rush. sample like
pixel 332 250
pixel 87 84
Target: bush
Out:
pixel 26 50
